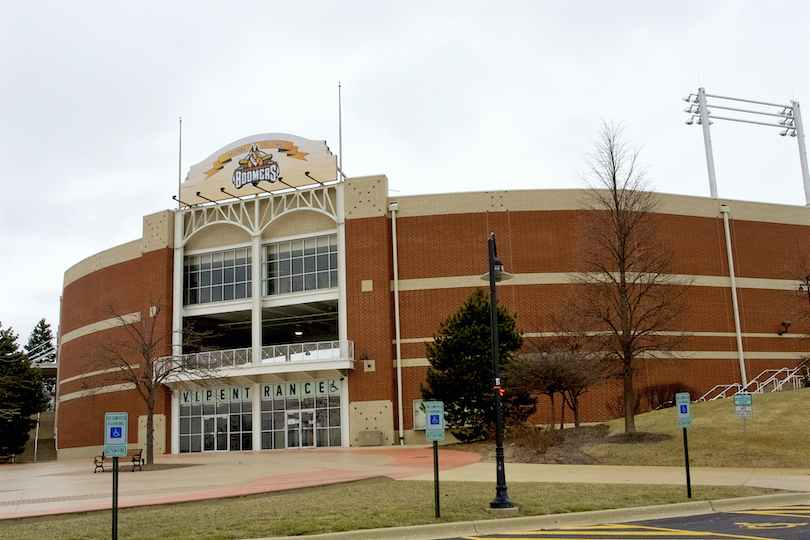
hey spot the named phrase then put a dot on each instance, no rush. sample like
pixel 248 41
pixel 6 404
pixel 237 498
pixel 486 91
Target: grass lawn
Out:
pixel 373 503
pixel 778 435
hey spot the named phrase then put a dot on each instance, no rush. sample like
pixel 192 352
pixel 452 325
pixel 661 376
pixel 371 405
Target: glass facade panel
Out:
pixel 309 415
pixel 216 426
pixel 300 265
pixel 213 277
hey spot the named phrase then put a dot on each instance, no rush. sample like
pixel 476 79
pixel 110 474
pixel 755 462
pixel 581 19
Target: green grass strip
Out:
pixel 373 503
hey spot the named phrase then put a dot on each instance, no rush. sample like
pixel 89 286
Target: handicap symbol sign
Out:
pixel 684 409
pixel 115 432
pixel 435 420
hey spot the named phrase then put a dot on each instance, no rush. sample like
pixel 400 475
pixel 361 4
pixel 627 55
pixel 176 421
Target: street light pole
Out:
pixel 790 123
pixel 496 273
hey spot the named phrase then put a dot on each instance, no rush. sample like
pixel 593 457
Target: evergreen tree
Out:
pixel 461 371
pixel 21 394
pixel 40 349
pixel 40 344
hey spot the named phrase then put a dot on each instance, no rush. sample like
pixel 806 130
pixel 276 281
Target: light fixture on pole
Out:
pixel 497 273
pixel 790 122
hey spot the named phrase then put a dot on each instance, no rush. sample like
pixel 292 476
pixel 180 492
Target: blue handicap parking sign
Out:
pixel 115 433
pixel 435 420
pixel 684 409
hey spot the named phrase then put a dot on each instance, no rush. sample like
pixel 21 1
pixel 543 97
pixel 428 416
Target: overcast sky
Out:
pixel 439 96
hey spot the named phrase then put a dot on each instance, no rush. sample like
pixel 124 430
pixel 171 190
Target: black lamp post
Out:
pixel 496 273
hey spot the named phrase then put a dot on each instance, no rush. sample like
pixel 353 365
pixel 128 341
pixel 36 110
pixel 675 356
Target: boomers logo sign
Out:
pixel 256 166
pixel 259 164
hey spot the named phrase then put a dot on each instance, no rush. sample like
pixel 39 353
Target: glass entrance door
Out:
pixel 215 433
pixel 301 428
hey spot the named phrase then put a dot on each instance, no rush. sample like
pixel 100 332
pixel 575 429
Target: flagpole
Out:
pixel 340 130
pixel 180 163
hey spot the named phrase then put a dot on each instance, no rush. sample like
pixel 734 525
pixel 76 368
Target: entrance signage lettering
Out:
pixel 266 391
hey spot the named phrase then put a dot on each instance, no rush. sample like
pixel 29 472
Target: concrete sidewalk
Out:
pixel 71 486
pixel 788 479
pixel 33 489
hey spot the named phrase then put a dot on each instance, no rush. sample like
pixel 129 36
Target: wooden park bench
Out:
pixel 135 455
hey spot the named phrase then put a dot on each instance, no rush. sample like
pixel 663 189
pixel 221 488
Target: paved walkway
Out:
pixel 71 486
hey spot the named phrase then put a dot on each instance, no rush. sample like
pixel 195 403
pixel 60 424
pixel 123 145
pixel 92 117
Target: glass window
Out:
pixel 300 265
pixel 221 425
pixel 213 277
pixel 278 439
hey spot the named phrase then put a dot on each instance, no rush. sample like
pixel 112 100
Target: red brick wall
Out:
pixel 550 241
pixel 129 287
pixel 456 245
pixel 370 313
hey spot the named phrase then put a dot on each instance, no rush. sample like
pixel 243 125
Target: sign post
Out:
pixel 115 446
pixel 744 409
pixel 434 431
pixel 684 406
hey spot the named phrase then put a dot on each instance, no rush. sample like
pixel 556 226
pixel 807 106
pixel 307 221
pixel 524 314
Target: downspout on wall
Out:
pixel 737 330
pixel 393 208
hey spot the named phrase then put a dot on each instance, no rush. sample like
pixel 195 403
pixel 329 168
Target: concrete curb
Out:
pixel 556 521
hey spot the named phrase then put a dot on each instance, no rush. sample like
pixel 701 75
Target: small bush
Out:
pixel 650 398
pixel 539 438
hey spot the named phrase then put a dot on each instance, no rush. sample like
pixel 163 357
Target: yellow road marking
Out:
pixel 615 530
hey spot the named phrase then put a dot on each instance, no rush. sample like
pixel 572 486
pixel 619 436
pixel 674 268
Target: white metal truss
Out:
pixel 255 214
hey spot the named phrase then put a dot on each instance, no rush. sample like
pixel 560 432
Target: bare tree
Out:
pixel 629 299
pixel 569 373
pixel 135 358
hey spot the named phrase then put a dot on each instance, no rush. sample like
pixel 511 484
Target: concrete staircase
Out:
pixel 45 448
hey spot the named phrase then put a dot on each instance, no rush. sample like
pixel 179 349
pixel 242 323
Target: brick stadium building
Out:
pixel 297 289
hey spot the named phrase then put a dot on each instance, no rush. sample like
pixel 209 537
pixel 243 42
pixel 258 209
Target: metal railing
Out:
pixel 238 358
pixel 775 379
pixel 307 352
